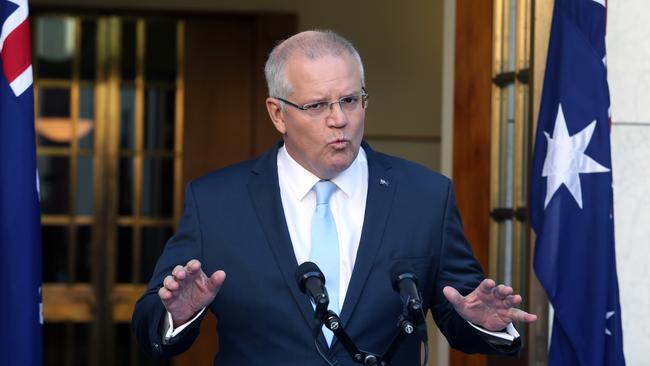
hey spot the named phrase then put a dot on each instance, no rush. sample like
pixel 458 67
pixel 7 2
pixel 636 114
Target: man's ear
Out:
pixel 274 108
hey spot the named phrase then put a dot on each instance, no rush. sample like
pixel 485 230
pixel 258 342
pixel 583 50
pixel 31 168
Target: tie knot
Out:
pixel 324 190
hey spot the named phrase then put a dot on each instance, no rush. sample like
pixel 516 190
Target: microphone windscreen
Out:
pixel 306 271
pixel 400 271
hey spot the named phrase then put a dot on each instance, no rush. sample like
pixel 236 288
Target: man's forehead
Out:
pixel 321 75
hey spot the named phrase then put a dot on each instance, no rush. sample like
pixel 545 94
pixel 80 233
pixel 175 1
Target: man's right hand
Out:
pixel 188 290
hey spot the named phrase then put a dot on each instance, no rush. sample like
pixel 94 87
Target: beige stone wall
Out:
pixel 628 51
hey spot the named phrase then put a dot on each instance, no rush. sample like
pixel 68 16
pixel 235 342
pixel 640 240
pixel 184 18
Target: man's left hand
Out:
pixel 489 306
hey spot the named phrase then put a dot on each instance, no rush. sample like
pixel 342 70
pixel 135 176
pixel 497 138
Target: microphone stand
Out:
pixel 406 328
pixel 333 323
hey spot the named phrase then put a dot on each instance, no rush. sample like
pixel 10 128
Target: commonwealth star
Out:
pixel 566 159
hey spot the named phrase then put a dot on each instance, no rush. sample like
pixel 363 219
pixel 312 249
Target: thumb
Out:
pixel 453 296
pixel 215 281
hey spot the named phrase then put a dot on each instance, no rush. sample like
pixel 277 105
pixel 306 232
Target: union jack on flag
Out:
pixel 20 233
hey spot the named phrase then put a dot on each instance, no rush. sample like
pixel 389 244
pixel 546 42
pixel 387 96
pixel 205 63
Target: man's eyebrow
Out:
pixel 354 92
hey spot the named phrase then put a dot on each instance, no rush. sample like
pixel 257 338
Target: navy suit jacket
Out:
pixel 233 220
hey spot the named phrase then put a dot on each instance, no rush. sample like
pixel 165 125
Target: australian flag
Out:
pixel 571 191
pixel 20 235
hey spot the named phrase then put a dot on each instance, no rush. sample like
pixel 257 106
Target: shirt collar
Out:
pixel 300 181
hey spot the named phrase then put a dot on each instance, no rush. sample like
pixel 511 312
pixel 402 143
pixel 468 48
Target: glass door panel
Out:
pixel 108 160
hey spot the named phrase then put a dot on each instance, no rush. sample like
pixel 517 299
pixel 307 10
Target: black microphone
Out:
pixel 311 281
pixel 405 282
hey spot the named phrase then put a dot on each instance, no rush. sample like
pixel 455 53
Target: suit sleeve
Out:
pixel 459 268
pixel 149 313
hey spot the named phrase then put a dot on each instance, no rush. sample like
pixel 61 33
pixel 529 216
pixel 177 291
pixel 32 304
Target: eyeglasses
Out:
pixel 348 103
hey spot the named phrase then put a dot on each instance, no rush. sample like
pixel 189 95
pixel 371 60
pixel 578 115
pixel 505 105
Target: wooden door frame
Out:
pixel 471 141
pixel 472 150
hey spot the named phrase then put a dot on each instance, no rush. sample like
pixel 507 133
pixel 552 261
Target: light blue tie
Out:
pixel 325 245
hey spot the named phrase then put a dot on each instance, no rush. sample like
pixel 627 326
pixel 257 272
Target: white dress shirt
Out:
pixel 348 205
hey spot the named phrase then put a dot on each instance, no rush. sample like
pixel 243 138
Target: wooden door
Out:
pixel 130 107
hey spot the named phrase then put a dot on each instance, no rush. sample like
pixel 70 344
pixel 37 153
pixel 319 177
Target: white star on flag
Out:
pixel 566 159
pixel 608 315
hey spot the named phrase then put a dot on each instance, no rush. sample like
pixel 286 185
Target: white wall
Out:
pixel 628 52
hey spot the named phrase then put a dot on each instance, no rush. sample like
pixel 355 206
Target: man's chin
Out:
pixel 336 167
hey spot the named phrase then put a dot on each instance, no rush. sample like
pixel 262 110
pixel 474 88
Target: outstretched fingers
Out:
pixel 165 294
pixel 486 287
pixel 512 300
pixel 215 281
pixel 193 266
pixel 501 292
pixel 522 316
pixel 454 297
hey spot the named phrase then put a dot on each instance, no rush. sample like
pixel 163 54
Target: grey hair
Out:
pixel 311 44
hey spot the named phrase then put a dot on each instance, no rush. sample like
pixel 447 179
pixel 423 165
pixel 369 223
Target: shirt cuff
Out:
pixel 509 334
pixel 169 324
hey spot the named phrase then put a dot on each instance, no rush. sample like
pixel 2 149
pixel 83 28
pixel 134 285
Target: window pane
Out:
pixel 85 129
pixel 84 185
pixel 81 345
pixel 126 187
pixel 127 117
pixel 54 47
pixel 54 177
pixel 88 39
pixel 128 50
pixel 84 253
pixel 153 242
pixel 54 102
pixel 55 253
pixel 158 183
pixel 123 342
pixel 53 123
pixel 159 118
pixel 55 338
pixel 160 56
pixel 125 255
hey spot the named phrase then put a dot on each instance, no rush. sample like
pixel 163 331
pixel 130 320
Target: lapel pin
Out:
pixel 384 182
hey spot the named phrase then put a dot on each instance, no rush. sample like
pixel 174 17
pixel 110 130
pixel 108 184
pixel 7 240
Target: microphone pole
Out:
pixel 333 323
pixel 405 282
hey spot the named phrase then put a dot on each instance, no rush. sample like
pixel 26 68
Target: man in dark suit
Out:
pixel 256 222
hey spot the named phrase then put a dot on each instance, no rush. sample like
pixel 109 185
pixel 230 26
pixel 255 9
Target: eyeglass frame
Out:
pixel 363 95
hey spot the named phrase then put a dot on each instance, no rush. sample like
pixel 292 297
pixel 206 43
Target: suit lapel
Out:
pixel 381 190
pixel 264 190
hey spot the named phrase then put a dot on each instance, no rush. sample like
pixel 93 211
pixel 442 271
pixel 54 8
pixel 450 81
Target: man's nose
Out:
pixel 336 116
